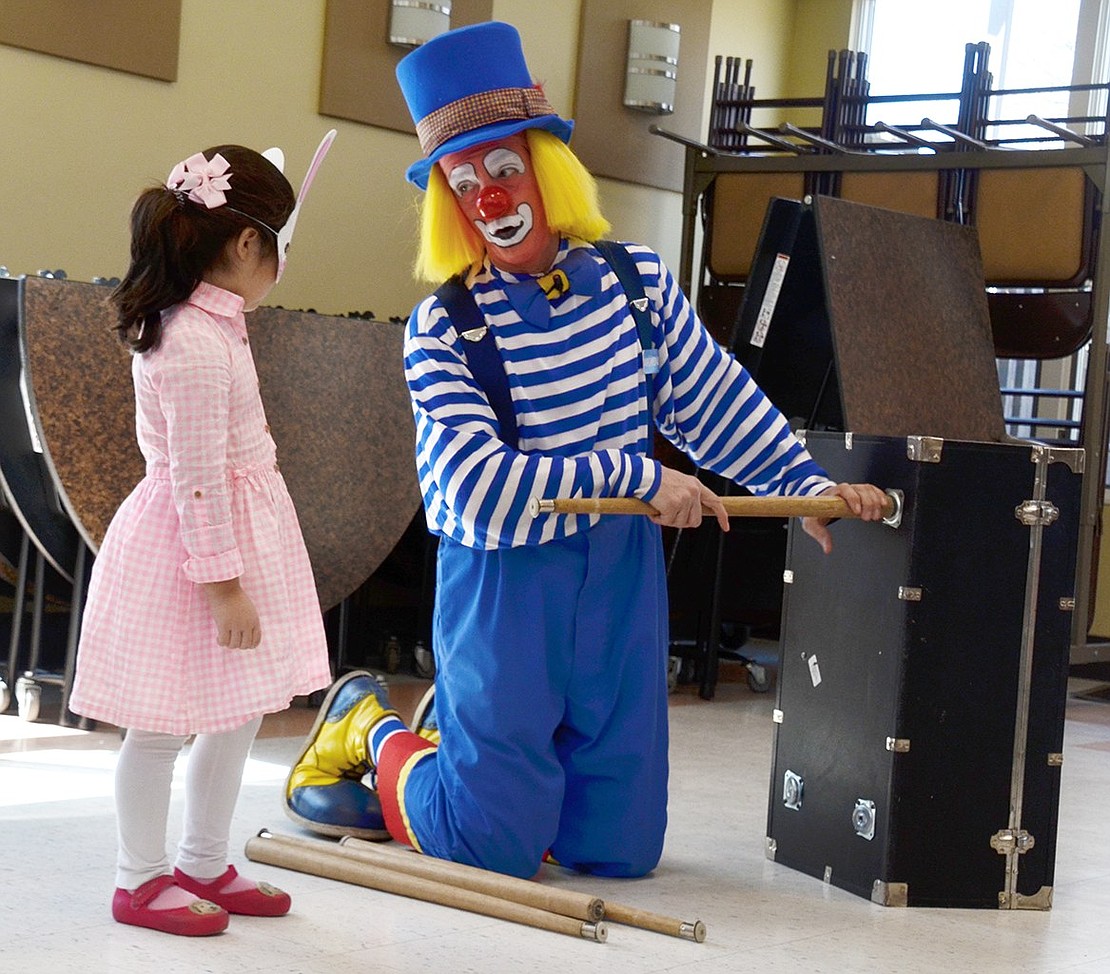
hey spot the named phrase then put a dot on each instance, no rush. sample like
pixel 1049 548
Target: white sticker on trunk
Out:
pixel 814 670
pixel 770 299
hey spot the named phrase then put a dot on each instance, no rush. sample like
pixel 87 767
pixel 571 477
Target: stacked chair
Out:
pixel 1031 184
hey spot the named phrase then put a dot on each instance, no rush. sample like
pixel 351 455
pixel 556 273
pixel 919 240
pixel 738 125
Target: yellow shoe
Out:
pixel 324 791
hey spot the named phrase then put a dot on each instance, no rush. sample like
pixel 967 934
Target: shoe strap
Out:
pixel 229 877
pixel 149 891
pixel 217 884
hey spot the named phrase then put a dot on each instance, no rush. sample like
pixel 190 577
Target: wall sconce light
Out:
pixel 413 22
pixel 652 74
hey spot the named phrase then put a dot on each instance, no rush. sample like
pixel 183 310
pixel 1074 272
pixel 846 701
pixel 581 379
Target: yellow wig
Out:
pixel 449 243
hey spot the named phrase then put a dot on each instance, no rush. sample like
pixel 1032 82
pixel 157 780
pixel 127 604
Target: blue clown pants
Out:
pixel 551 699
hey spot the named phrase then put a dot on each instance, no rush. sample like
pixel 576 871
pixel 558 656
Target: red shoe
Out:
pixel 261 900
pixel 201 918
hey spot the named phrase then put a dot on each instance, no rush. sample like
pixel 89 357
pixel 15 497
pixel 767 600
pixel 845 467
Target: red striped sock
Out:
pixel 393 766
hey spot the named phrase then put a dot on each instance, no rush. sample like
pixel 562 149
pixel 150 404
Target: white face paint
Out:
pixel 497 193
pixel 507 230
pixel 500 164
pixel 462 179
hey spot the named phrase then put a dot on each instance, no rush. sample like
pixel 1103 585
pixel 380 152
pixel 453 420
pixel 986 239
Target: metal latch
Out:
pixel 924 449
pixel 1009 841
pixel 1031 513
pixel 793 789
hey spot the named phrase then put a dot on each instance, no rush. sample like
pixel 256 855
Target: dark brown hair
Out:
pixel 174 240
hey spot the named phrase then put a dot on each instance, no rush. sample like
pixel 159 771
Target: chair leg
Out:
pixel 76 611
pixel 19 606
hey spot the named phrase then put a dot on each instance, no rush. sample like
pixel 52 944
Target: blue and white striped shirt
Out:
pixel 580 396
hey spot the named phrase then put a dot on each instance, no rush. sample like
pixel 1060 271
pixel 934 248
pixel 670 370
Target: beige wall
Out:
pixel 819 26
pixel 757 30
pixel 80 141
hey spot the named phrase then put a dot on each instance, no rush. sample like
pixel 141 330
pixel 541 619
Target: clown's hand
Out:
pixel 680 500
pixel 866 501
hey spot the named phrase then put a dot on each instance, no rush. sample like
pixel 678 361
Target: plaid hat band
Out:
pixel 478 110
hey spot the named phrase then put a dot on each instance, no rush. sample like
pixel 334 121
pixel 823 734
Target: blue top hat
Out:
pixel 469 86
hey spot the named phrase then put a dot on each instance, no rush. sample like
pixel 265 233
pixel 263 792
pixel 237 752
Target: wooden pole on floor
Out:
pixel 523 890
pixel 645 920
pixel 566 902
pixel 332 862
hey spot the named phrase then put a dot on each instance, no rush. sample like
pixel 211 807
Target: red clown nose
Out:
pixel 493 202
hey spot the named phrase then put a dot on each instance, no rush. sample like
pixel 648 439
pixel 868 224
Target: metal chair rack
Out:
pixel 954 170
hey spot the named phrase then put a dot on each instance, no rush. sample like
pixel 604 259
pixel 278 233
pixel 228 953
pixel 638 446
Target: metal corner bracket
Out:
pixel 890 894
pixel 924 449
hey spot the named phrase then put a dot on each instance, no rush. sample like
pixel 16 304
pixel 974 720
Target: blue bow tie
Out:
pixel 532 298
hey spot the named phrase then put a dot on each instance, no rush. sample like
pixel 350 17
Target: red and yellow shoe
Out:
pixel 324 791
pixel 237 894
pixel 198 918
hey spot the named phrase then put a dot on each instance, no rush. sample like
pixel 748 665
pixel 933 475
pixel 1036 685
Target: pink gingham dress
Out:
pixel 212 506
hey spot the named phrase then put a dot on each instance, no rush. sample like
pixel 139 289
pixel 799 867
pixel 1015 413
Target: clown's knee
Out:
pixel 629 861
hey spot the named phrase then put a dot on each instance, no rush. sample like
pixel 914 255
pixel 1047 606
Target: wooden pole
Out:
pixel 522 890
pixel 632 917
pixel 566 902
pixel 330 861
pixel 824 506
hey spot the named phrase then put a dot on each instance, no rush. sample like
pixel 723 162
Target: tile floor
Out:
pixel 56 820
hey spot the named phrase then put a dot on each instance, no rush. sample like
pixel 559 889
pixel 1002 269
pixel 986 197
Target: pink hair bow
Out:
pixel 201 179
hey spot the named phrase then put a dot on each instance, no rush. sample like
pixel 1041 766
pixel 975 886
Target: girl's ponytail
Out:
pixel 168 258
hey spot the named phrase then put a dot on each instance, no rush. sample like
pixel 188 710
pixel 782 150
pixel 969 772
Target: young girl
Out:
pixel 202 612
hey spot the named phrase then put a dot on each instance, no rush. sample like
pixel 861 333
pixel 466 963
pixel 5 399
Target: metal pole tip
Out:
pixel 538 506
pixel 693 931
pixel 595 931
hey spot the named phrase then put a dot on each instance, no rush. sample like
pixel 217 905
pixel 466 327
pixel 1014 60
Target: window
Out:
pixel 920 48
pixel 1033 44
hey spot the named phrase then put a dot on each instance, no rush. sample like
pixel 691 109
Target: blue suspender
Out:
pixel 629 275
pixel 482 355
pixel 486 364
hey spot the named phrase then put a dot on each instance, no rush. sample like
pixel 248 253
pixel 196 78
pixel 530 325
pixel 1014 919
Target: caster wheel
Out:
pixel 759 681
pixel 5 696
pixel 28 697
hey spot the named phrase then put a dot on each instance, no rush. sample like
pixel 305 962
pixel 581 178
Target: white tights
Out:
pixel 144 774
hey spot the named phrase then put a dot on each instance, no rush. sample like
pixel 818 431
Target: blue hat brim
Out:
pixel 417 173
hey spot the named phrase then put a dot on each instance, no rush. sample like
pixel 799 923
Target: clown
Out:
pixel 542 368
